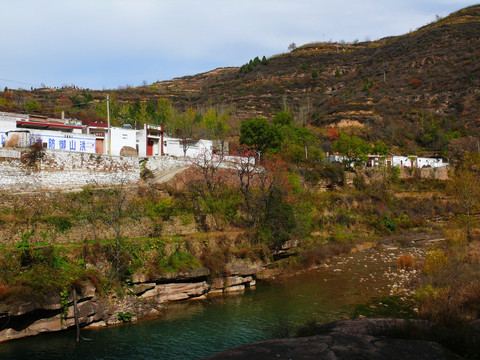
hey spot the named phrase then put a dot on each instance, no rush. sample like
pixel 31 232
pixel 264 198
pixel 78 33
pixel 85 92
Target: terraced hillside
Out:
pixel 418 90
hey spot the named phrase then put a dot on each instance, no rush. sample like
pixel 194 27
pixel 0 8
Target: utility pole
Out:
pixel 108 125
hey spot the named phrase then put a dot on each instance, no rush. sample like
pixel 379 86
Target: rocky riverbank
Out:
pixel 146 297
pixel 364 339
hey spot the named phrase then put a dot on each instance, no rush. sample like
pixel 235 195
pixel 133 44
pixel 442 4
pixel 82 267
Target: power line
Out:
pixel 21 82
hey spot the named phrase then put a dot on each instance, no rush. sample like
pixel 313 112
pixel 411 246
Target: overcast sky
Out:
pixel 110 43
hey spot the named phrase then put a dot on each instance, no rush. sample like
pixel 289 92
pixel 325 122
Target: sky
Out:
pixel 107 44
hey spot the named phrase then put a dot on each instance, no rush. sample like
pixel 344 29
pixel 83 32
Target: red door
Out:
pixel 149 147
pixel 99 146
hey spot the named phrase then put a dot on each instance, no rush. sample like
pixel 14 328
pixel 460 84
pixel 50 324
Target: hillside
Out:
pixel 416 91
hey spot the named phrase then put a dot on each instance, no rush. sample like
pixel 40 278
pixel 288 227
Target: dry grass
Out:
pixel 4 291
pixel 406 262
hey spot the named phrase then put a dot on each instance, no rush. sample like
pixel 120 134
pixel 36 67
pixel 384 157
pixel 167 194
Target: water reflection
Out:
pixel 196 329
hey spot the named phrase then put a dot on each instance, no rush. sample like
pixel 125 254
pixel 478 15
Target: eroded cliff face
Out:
pixel 146 297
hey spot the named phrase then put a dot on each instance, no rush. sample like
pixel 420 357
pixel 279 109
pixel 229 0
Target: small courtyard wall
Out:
pixel 64 170
pixel 165 163
pixel 435 173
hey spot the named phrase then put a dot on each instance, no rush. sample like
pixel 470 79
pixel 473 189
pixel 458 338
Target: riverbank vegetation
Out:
pixel 67 235
pixel 282 205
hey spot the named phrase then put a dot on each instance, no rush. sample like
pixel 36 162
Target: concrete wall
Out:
pixel 8 121
pixel 122 137
pixel 174 147
pixel 142 142
pixel 64 170
pixel 164 163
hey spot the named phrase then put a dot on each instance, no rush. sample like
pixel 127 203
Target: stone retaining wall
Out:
pixel 440 173
pixel 165 163
pixel 64 170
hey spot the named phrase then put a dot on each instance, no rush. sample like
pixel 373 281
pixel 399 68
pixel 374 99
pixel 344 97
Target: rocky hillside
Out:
pixel 421 89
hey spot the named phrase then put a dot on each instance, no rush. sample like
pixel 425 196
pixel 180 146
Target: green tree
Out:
pixel 101 109
pixel 142 115
pixel 164 109
pixel 283 118
pixel 82 100
pixel 380 148
pixel 123 116
pixel 259 134
pixel 215 124
pixel 31 106
pixel 353 147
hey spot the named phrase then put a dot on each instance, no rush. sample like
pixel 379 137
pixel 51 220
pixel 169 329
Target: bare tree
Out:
pixel 246 171
pixel 205 182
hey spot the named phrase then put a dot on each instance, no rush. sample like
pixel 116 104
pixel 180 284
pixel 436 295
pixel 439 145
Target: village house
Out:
pixel 186 147
pixel 393 160
pixel 21 130
pixel 58 134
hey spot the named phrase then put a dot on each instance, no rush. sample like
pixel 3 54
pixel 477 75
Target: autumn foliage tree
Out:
pixel 465 188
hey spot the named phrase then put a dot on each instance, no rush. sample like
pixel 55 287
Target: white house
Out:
pixel 147 141
pixel 393 160
pixel 122 138
pixel 417 162
pixel 60 134
pixel 150 140
pixel 186 147
pixel 70 135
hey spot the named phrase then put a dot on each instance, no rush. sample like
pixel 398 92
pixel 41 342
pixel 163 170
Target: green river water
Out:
pixel 196 329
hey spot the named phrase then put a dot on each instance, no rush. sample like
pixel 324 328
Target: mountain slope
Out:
pixel 416 90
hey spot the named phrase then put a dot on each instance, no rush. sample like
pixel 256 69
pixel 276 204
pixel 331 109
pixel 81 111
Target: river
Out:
pixel 196 329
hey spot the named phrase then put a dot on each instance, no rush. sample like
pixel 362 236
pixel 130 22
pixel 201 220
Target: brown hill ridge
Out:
pixel 409 90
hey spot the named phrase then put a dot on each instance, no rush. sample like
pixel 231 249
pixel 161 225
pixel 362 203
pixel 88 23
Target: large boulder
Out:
pixel 373 339
pixel 128 151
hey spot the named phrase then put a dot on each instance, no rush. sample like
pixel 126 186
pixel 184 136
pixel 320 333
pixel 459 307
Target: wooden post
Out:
pixel 75 313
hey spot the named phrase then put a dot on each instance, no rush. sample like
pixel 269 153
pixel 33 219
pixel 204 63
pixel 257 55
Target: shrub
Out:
pixel 278 222
pixel 388 223
pixel 162 208
pixel 406 261
pixel 35 154
pixel 124 316
pixel 335 173
pixel 61 223
pixel 215 260
pixel 177 261
pixel 449 290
